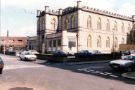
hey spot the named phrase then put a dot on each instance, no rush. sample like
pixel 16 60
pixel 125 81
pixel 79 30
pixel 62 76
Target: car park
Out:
pixel 26 55
pixel 1 65
pixel 127 63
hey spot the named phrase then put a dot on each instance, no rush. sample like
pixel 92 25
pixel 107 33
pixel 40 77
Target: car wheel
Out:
pixel 129 69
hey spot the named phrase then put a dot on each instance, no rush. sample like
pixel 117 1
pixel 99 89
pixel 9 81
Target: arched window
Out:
pixel 115 42
pixel 99 42
pixel 53 24
pixel 129 28
pixel 99 24
pixel 66 23
pixel 89 41
pixel 108 42
pixel 72 21
pixel 89 22
pixel 123 41
pixel 43 24
pixel 108 25
pixel 115 26
pixel 122 27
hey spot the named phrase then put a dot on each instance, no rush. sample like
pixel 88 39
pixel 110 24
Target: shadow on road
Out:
pixel 74 68
pixel 20 88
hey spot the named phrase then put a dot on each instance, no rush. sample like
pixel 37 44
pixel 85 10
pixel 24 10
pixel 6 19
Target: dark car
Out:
pixel 1 65
pixel 60 53
pixel 125 64
pixel 84 53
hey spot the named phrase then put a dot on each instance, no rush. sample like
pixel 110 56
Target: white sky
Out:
pixel 19 16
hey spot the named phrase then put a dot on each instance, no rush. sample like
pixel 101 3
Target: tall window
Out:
pixel 99 24
pixel 72 21
pixel 129 27
pixel 115 42
pixel 122 41
pixel 89 22
pixel 115 26
pixel 122 27
pixel 99 42
pixel 53 24
pixel 108 25
pixel 43 24
pixel 59 42
pixel 66 23
pixel 108 42
pixel 89 42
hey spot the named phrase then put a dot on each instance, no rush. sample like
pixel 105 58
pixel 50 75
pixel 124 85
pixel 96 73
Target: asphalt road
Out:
pixel 40 75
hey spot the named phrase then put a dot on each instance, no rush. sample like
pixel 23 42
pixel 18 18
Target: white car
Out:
pixel 26 55
pixel 127 63
pixel 33 51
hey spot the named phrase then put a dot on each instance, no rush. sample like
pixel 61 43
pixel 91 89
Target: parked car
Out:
pixel 1 65
pixel 84 53
pixel 127 63
pixel 60 53
pixel 96 52
pixel 34 51
pixel 26 55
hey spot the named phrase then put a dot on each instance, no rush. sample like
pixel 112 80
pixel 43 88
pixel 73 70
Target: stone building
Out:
pixel 81 28
pixel 12 43
pixel 32 43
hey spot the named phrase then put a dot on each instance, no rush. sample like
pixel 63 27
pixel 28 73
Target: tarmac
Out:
pixel 130 75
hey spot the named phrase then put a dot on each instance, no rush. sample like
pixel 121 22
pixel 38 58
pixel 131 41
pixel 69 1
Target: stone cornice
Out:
pixel 106 13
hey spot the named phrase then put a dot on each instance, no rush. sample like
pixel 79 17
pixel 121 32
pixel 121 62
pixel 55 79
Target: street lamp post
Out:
pixel 113 39
pixel 77 40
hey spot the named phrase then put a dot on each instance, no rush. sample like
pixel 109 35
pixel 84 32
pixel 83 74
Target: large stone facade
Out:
pixel 80 28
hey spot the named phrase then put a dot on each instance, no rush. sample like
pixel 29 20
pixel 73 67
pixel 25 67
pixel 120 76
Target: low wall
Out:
pixel 124 47
pixel 79 58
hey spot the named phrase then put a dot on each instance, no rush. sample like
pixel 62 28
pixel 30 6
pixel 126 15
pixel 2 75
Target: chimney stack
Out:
pixel 79 4
pixel 46 9
pixel 60 11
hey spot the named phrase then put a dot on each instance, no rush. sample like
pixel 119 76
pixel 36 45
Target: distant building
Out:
pixel 79 28
pixel 13 43
pixel 32 43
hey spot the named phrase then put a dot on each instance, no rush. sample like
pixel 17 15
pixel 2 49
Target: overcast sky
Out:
pixel 19 16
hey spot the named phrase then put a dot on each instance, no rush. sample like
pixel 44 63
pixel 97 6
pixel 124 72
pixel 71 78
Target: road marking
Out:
pixel 97 72
pixel 20 66
pixel 113 76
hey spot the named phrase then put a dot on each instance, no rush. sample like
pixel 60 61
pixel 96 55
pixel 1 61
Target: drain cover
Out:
pixel 20 88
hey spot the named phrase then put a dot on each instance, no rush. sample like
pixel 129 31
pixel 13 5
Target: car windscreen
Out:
pixel 130 58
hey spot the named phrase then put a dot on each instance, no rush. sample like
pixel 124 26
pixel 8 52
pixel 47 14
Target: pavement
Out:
pixel 130 75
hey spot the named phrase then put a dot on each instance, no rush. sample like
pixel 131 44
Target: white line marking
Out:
pixel 20 66
pixel 113 76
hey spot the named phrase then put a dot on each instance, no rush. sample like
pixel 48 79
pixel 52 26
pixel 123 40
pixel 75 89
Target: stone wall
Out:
pixel 126 47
